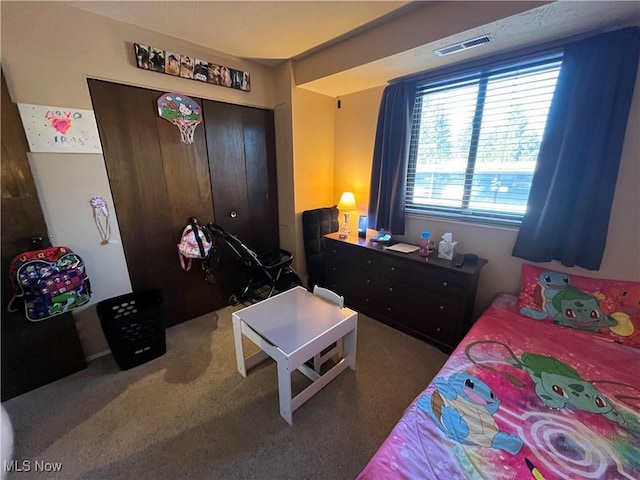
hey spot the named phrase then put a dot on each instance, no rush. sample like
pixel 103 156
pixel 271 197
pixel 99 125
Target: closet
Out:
pixel 157 182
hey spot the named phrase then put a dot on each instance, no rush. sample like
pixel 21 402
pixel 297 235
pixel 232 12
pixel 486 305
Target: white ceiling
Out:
pixel 553 21
pixel 273 31
pixel 264 31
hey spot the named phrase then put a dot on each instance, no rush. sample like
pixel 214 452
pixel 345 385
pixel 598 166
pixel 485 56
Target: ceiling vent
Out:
pixel 458 47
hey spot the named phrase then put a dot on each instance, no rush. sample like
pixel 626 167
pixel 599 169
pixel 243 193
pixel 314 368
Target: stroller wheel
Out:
pixel 233 299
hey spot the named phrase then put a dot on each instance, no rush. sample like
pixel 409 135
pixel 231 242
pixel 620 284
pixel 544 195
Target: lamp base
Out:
pixel 344 227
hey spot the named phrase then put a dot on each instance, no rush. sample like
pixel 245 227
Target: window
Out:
pixel 475 141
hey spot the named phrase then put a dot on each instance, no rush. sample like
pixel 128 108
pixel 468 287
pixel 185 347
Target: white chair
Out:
pixel 337 348
pixel 330 295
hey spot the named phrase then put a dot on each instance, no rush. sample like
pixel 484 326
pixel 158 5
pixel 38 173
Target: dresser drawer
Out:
pixel 432 315
pixel 357 258
pixel 357 286
pixel 425 276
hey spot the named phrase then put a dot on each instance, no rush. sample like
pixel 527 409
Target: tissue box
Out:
pixel 447 250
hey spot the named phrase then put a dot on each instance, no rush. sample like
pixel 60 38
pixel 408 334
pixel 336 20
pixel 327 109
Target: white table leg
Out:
pixel 350 340
pixel 284 390
pixel 237 338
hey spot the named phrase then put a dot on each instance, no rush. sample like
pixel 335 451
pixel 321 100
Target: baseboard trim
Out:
pixel 98 355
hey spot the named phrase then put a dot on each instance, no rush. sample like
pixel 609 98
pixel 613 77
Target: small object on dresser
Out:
pixel 447 247
pixel 424 244
pixel 381 237
pixel 362 226
pixel 470 258
pixel 402 248
pixel 343 232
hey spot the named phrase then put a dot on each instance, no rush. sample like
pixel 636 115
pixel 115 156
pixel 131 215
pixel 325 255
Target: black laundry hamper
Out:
pixel 134 327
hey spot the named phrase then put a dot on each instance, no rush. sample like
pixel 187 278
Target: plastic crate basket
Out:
pixel 133 326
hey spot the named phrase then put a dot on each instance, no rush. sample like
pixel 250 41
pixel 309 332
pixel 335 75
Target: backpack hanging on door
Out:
pixel 48 282
pixel 197 242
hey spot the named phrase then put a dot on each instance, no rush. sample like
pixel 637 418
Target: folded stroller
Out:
pixel 265 272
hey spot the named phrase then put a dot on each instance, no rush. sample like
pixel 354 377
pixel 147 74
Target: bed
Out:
pixel 523 396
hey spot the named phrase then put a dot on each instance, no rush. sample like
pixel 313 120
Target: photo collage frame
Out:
pixel 185 66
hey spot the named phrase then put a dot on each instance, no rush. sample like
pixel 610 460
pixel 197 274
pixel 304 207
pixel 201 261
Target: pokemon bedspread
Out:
pixel 521 400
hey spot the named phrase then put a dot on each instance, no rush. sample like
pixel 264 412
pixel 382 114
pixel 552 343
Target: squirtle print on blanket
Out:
pixel 517 400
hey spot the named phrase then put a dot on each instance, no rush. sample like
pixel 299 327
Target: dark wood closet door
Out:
pixel 242 164
pixel 33 353
pixel 157 183
pixel 262 188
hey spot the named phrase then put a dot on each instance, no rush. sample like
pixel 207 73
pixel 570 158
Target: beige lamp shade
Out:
pixel 347 202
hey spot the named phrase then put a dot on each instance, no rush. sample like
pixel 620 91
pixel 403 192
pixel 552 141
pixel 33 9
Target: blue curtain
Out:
pixel 391 158
pixel 573 186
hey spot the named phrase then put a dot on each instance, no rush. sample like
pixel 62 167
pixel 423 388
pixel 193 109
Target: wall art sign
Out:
pixel 179 65
pixel 60 129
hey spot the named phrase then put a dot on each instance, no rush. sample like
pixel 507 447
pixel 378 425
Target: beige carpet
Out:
pixel 190 414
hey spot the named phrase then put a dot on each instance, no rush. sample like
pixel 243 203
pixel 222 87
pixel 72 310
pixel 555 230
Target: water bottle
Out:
pixel 424 244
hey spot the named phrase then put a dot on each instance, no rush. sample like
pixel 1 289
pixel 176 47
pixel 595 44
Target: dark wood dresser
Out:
pixel 428 299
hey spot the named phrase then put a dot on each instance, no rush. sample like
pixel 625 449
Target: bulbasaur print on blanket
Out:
pixel 517 400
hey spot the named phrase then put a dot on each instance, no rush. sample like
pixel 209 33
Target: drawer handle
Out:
pixel 441 307
pixel 333 268
pixel 391 289
pixel 366 300
pixel 393 269
pixel 388 309
pixel 438 329
pixel 369 262
pixel 445 284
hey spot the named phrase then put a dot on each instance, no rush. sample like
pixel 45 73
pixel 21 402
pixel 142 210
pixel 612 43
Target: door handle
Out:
pixel 233 214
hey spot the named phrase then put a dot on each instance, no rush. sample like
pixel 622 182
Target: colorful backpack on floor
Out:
pixel 49 282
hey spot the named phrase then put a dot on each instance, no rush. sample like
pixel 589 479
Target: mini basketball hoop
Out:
pixel 182 111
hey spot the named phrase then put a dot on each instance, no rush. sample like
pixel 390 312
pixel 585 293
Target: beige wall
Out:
pixel 356 122
pixel 284 147
pixel 313 156
pixel 354 137
pixel 313 133
pixel 48 51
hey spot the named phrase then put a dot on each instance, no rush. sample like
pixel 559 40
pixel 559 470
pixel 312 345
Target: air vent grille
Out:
pixel 457 47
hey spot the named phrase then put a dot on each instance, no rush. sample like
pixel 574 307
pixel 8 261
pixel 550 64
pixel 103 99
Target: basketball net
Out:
pixel 186 127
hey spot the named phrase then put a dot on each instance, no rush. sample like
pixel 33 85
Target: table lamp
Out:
pixel 347 204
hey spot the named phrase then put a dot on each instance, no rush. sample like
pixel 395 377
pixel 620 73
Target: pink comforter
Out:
pixel 521 400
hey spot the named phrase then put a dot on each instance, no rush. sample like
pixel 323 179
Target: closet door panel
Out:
pixel 259 147
pixel 133 157
pixel 186 173
pixel 241 150
pixel 225 147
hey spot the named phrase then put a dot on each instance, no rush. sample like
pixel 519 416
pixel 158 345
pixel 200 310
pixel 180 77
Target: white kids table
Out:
pixel 291 328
